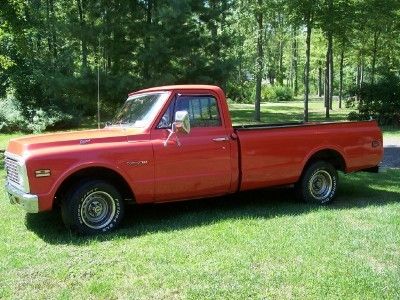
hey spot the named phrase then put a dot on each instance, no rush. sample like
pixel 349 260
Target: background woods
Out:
pixel 259 50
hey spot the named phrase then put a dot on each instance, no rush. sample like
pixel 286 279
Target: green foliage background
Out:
pixel 50 51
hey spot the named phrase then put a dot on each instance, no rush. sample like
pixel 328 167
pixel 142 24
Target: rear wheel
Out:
pixel 318 183
pixel 92 207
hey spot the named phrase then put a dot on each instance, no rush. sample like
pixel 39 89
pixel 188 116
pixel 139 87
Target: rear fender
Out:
pixel 315 151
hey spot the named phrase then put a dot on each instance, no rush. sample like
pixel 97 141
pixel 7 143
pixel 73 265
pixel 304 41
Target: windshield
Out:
pixel 140 110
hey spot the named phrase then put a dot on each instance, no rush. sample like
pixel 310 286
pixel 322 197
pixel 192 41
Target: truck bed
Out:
pixel 275 154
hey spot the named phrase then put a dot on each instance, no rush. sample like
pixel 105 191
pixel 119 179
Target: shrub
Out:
pixel 350 102
pixel 380 101
pixel 11 118
pixel 39 120
pixel 283 93
pixel 353 116
pixel 276 93
pixel 241 93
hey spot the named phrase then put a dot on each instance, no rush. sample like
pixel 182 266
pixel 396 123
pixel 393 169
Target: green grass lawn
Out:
pixel 291 111
pixel 391 132
pixel 5 138
pixel 254 245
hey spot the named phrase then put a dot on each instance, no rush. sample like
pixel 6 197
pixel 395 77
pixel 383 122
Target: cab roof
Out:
pixel 213 88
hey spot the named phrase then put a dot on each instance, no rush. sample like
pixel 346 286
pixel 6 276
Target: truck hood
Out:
pixel 22 146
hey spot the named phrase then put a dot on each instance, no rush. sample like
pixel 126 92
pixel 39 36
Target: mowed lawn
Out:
pixel 291 111
pixel 254 245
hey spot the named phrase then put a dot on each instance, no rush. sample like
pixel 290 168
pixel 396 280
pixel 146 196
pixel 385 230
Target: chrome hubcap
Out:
pixel 320 185
pixel 97 210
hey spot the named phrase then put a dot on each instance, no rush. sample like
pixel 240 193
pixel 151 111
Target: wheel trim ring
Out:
pixel 105 217
pixel 321 185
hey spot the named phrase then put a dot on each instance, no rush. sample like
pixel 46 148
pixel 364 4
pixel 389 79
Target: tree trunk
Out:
pixel 327 82
pixel 296 63
pixel 49 41
pixel 260 57
pixel 307 69
pixel 320 85
pixel 329 59
pixel 146 61
pixel 280 66
pixel 358 77
pixel 374 55
pixel 362 72
pixel 271 76
pixel 280 76
pixel 341 76
pixel 329 74
pixel 290 81
pixel 53 29
pixel 330 41
pixel 82 22
pixel 213 23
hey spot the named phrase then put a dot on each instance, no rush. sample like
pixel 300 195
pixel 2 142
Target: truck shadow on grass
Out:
pixel 355 191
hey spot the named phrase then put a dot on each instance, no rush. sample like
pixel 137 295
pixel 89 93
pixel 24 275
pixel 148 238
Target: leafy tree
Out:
pixel 303 14
pixel 51 50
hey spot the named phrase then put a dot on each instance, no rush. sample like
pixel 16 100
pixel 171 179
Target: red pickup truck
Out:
pixel 177 143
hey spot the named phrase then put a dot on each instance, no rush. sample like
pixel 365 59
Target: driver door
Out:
pixel 201 166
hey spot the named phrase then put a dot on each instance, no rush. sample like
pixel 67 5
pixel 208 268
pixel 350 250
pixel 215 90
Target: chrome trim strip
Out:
pixel 28 202
pixel 221 139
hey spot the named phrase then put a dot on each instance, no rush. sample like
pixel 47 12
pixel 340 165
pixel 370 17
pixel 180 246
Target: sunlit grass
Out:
pixel 391 132
pixel 6 137
pixel 254 245
pixel 281 112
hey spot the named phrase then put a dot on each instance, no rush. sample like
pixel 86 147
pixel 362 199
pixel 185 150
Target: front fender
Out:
pixel 46 199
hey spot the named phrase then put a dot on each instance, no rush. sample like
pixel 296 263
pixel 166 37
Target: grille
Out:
pixel 12 170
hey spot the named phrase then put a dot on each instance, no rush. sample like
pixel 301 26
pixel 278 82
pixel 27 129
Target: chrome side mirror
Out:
pixel 181 124
pixel 182 121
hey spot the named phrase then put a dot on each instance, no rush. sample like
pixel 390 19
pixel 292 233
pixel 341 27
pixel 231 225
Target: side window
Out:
pixel 203 111
pixel 167 118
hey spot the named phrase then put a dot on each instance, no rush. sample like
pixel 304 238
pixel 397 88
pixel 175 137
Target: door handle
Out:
pixel 221 139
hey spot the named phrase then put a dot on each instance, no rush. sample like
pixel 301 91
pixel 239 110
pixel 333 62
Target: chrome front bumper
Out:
pixel 28 202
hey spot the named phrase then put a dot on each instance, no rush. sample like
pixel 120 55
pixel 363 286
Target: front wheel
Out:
pixel 92 207
pixel 318 183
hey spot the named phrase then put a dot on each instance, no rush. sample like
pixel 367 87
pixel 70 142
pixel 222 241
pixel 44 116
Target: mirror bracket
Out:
pixel 181 124
pixel 171 133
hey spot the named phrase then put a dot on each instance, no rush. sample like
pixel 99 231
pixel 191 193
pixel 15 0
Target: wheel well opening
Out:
pixel 94 173
pixel 331 156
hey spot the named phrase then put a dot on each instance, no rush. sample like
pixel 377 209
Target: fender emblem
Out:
pixel 84 141
pixel 42 173
pixel 137 163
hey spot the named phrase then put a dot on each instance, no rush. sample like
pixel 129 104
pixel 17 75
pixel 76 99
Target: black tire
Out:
pixel 318 183
pixel 92 207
